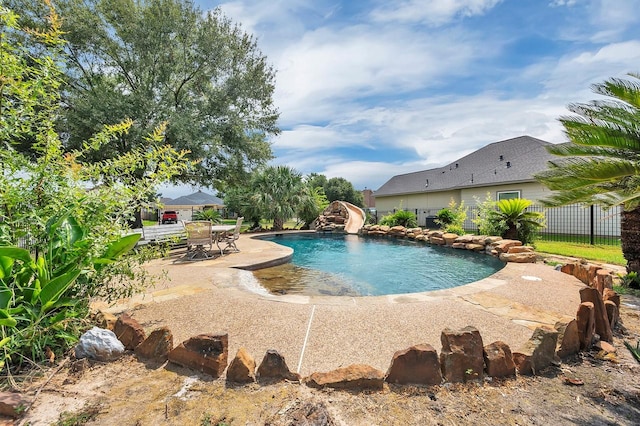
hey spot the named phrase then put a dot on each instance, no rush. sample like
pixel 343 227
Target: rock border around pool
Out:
pixel 505 250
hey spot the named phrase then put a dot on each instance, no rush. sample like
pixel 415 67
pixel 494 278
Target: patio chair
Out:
pixel 198 235
pixel 230 238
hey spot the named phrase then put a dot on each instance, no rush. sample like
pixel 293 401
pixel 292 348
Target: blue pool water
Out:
pixel 350 265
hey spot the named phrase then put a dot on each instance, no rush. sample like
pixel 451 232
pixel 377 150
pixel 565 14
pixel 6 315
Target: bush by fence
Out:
pixel 573 223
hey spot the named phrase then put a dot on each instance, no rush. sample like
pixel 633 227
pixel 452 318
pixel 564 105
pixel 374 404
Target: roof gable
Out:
pixel 511 160
pixel 196 199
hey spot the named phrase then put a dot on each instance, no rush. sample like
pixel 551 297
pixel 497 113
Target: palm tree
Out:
pixel 601 164
pixel 278 191
pixel 519 224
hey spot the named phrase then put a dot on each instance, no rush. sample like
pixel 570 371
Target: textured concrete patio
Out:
pixel 320 333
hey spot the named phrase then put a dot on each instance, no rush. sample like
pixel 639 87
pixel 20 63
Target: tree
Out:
pixel 342 190
pixel 156 61
pixel 276 193
pixel 312 204
pixel 601 164
pixel 74 234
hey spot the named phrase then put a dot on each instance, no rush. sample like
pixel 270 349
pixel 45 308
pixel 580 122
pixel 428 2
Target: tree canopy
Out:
pixel 156 61
pixel 601 164
pixel 336 189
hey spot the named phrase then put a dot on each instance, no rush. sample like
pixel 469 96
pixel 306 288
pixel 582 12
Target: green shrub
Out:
pixel 400 218
pixel 451 219
pixel 509 219
pixel 208 214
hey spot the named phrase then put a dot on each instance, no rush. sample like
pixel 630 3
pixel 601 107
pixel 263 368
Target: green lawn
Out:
pixel 602 253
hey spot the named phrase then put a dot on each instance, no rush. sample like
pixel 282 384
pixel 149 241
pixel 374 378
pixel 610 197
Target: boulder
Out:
pixel 586 323
pixel 449 238
pixel 568 268
pixel 603 326
pixel 12 405
pixel 489 239
pixel 461 358
pixel 612 313
pixel 274 368
pixel 568 338
pixel 416 365
pixel 105 320
pixel 421 237
pixel 99 344
pixel 499 360
pixel 457 245
pixel 129 331
pixel 465 239
pixel 206 353
pixel 353 377
pixel 525 257
pixel 603 280
pixel 520 249
pixel 474 247
pixel 242 368
pixel 611 295
pixel 503 246
pixel 157 345
pixel 538 353
pixel 437 240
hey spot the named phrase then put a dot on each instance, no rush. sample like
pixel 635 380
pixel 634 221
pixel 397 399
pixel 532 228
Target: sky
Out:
pixel 370 89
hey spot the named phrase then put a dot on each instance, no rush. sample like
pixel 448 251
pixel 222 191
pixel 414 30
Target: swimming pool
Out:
pixel 349 265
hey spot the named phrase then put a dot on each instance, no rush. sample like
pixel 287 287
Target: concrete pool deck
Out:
pixel 321 333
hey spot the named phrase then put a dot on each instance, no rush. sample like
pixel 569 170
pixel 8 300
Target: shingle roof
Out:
pixel 196 199
pixel 509 161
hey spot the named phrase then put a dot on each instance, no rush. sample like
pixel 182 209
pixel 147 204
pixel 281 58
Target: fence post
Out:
pixel 591 225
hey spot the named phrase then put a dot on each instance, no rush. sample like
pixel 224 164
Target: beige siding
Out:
pixel 531 191
pixel 431 200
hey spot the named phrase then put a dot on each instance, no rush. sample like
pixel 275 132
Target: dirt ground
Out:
pixel 129 392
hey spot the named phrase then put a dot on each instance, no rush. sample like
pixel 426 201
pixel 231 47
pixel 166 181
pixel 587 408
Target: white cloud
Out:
pixel 561 3
pixel 434 12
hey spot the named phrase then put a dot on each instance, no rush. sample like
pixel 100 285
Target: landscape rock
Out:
pixel 520 249
pixel 273 367
pixel 611 295
pixel 605 346
pixel 524 257
pixel 603 326
pixel 99 344
pixel 416 365
pixel 242 368
pixel 503 246
pixel 603 280
pixel 458 245
pixel 585 320
pixel 568 338
pixel 206 353
pixel 612 313
pixel 12 404
pixel 449 238
pixel 568 268
pixel 105 320
pixel 474 247
pixel 462 357
pixel 157 345
pixel 538 353
pixel 353 377
pixel 439 241
pixel 499 360
pixel 129 331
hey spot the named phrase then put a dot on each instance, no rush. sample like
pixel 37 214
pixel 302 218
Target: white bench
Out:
pixel 174 233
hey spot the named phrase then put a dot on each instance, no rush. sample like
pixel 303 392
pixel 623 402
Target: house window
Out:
pixel 507 195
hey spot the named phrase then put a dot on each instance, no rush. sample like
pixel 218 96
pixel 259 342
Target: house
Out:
pixel 187 205
pixel 503 169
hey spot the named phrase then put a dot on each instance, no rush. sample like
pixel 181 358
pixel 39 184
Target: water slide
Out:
pixel 356 218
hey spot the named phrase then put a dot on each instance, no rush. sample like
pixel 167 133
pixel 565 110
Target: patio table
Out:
pixel 217 231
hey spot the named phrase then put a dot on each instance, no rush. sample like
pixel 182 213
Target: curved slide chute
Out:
pixel 356 219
